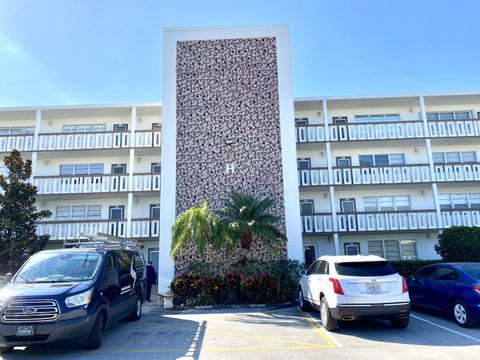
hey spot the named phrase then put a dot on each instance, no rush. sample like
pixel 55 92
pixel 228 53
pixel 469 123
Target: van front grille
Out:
pixel 30 311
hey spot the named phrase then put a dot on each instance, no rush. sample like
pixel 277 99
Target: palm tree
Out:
pixel 247 217
pixel 203 227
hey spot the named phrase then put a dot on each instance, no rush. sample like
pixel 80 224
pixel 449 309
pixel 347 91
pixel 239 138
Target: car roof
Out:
pixel 350 258
pixel 73 250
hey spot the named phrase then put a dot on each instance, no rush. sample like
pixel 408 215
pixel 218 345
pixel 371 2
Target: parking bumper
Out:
pixel 367 311
pixel 77 328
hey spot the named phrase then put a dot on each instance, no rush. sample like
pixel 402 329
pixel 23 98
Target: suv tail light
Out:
pixel 477 288
pixel 404 285
pixel 337 288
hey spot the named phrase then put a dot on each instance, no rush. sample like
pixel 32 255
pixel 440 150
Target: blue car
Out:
pixel 453 288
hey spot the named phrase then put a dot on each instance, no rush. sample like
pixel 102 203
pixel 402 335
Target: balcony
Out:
pixel 86 184
pixel 70 230
pixel 461 217
pixel 454 128
pixel 97 140
pixel 366 175
pixel 371 221
pixel 21 142
pixel 457 172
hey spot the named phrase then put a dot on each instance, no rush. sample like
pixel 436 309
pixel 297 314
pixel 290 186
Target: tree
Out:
pixel 459 243
pixel 203 227
pixel 247 217
pixel 18 214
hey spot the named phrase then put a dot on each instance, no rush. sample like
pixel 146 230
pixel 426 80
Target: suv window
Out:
pixel 323 268
pixel 365 268
pixel 138 265
pixel 313 268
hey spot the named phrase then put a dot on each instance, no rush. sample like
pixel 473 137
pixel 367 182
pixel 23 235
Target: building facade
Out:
pixel 367 175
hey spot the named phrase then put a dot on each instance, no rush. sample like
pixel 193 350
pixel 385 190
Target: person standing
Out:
pixel 151 279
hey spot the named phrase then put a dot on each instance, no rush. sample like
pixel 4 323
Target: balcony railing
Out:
pixel 69 230
pixel 457 172
pixel 21 142
pixel 364 175
pixel 97 140
pixel 371 221
pixel 452 128
pixel 85 184
pixel 461 217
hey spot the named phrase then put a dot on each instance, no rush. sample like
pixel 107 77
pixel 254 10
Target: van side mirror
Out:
pixel 7 277
pixel 110 278
pixel 303 272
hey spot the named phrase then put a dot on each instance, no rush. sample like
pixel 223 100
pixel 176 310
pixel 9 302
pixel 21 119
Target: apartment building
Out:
pixel 383 175
pixel 376 175
pixel 97 168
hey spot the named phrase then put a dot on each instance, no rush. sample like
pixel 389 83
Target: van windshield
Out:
pixel 59 267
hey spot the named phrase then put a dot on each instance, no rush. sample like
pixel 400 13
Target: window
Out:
pixel 344 161
pixel 116 212
pixel 386 203
pixel 365 268
pixel 310 254
pixel 119 168
pixel 459 201
pixel 156 168
pixel 377 118
pixel 446 274
pixel 393 249
pixel 303 163
pixel 124 262
pixel 312 269
pixel 155 211
pixel 301 121
pixel 454 157
pixel 449 115
pixel 322 268
pixel 306 207
pixel 352 248
pixel 78 212
pixel 84 128
pixel 157 127
pixel 381 159
pixel 17 130
pixel 347 205
pixel 81 169
pixel 120 127
pixel 340 119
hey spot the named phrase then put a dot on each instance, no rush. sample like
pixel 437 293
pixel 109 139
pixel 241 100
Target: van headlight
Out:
pixel 79 299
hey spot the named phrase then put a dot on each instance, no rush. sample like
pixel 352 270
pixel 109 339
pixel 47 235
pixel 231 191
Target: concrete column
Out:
pixel 336 245
pixel 38 121
pixel 437 205
pixel 131 165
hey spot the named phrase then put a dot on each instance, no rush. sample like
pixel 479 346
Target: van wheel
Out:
pixel 328 322
pixel 462 315
pixel 94 340
pixel 137 311
pixel 6 349
pixel 400 323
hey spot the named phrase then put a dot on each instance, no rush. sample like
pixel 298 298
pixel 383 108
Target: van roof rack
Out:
pixel 102 241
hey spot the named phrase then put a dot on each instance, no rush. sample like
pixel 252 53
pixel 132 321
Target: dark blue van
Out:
pixel 71 294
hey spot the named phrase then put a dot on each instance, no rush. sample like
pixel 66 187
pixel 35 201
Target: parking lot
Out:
pixel 269 333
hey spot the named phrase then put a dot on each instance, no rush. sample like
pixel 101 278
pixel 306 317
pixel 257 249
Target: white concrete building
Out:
pixel 377 175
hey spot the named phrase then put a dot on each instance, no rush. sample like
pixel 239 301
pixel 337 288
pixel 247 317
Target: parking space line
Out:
pixel 445 328
pixel 219 349
pixel 329 339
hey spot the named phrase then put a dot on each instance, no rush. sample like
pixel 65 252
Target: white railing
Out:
pixel 391 221
pixel 70 230
pixel 311 133
pixel 458 172
pixel 95 184
pixel 98 140
pixel 461 217
pixel 376 131
pixel 365 175
pixel 452 128
pixel 146 182
pixel 317 223
pixel 19 142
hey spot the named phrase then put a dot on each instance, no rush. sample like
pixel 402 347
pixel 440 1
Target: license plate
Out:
pixel 373 287
pixel 25 330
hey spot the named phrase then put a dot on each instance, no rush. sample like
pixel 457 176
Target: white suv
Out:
pixel 352 288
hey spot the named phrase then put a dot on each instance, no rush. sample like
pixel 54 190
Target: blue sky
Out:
pixel 55 52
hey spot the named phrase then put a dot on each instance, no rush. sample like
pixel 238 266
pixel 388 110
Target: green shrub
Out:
pixel 408 267
pixel 459 244
pixel 202 299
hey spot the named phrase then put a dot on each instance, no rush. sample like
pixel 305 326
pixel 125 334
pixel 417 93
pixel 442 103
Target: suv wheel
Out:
pixel 302 303
pixel 328 322
pixel 462 315
pixel 400 323
pixel 94 340
pixel 137 311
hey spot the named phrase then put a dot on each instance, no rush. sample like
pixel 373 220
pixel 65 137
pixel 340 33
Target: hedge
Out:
pixel 408 267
